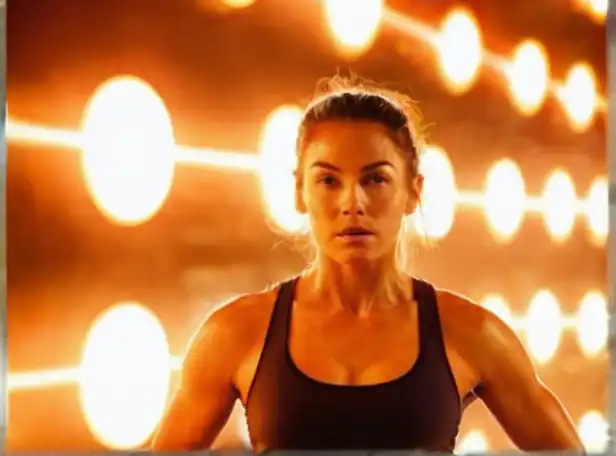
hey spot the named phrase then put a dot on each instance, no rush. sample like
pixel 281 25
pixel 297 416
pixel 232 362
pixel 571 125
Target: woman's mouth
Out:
pixel 355 233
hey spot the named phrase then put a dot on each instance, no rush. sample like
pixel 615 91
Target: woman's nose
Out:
pixel 353 200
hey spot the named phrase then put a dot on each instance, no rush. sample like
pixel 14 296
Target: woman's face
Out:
pixel 356 189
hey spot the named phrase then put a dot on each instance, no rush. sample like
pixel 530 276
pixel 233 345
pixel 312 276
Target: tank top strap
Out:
pixel 278 330
pixel 430 331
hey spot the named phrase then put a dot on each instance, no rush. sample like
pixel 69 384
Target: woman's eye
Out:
pixel 328 180
pixel 376 179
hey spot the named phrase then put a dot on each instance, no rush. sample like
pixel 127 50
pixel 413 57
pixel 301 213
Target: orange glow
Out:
pixel 128 150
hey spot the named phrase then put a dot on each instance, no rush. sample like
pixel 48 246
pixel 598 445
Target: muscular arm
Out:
pixel 533 418
pixel 205 399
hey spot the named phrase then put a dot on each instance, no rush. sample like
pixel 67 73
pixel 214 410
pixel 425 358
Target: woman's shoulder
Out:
pixel 240 321
pixel 474 329
pixel 460 310
pixel 245 311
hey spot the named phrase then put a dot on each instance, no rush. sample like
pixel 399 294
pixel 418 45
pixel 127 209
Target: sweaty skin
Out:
pixel 485 355
pixel 356 325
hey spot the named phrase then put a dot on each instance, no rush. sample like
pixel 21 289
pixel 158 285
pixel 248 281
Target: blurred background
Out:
pixel 150 150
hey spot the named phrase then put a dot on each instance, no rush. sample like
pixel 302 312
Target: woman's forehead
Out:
pixel 351 144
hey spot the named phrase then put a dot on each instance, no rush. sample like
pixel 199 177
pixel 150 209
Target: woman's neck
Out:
pixel 359 287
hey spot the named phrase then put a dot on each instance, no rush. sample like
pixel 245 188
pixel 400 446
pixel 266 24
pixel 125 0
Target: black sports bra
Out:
pixel 287 410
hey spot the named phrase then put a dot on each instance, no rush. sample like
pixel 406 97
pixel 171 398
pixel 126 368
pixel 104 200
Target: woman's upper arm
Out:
pixel 532 417
pixel 206 396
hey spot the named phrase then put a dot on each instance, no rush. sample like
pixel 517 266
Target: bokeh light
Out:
pixel 579 97
pixel 434 218
pixel 238 4
pixel 529 76
pixel 505 198
pixel 596 9
pixel 543 326
pixel 460 50
pixel 128 157
pixel 353 24
pixel 125 376
pixel 592 323
pixel 594 431
pixel 559 204
pixel 597 209
pixel 277 163
pixel 472 443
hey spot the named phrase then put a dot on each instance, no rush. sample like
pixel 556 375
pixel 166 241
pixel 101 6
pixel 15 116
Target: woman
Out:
pixel 354 353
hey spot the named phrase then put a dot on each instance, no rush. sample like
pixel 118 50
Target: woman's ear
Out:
pixel 415 189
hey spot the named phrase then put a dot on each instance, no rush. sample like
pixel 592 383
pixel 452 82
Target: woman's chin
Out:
pixel 357 257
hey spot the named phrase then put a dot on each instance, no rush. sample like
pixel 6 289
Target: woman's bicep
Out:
pixel 529 413
pixel 532 417
pixel 202 405
pixel 195 418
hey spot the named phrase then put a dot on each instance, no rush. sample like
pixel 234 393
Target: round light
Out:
pixel 592 323
pixel 559 201
pixel 594 432
pixel 435 217
pixel 353 24
pixel 472 443
pixel 597 210
pixel 543 326
pixel 460 50
pixel 128 156
pixel 505 198
pixel 125 376
pixel 597 9
pixel 277 163
pixel 579 96
pixel 529 77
